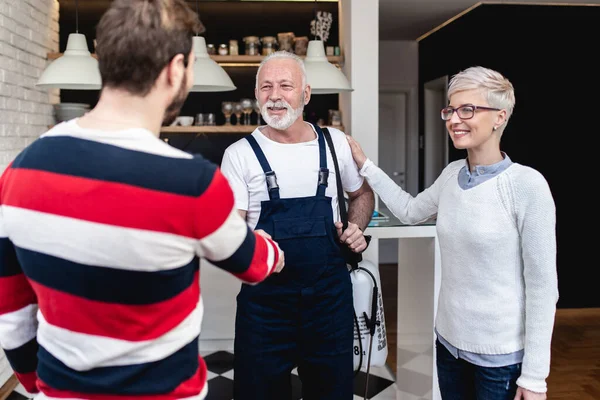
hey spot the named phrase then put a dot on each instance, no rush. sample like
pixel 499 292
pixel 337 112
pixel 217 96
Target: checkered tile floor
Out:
pixel 414 382
pixel 220 381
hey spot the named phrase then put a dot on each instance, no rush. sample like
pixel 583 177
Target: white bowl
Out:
pixel 185 121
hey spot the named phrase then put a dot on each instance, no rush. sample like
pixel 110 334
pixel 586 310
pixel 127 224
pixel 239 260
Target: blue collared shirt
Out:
pixel 466 180
pixel 469 179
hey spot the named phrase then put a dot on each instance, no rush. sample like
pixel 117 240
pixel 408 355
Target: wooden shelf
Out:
pixel 232 61
pixel 209 129
pixel 215 129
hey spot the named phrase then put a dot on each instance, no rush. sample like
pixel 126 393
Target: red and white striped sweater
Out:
pixel 100 239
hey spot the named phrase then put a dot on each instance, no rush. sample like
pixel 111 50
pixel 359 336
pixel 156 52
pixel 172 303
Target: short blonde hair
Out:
pixel 497 90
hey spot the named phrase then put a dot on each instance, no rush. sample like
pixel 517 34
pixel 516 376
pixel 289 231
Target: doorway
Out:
pixel 398 135
pixel 392 135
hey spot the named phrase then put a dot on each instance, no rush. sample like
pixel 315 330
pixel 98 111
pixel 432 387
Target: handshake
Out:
pixel 281 261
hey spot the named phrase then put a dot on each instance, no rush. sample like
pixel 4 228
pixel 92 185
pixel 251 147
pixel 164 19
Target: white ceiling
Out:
pixel 409 19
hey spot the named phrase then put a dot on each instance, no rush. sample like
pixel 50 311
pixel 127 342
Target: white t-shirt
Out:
pixel 296 166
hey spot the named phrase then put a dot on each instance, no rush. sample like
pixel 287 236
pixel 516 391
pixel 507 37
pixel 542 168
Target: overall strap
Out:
pixel 323 170
pixel 271 178
pixel 351 257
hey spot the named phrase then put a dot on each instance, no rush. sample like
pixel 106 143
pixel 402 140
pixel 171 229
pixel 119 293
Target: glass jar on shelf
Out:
pixel 286 41
pixel 210 119
pixel 301 45
pixel 233 48
pixel 252 44
pixel 269 45
pixel 223 49
pixel 210 49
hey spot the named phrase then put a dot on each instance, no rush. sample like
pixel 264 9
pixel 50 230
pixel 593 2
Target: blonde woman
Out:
pixel 496 228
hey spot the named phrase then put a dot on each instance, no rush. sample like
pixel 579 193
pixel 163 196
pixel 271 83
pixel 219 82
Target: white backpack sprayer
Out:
pixel 369 329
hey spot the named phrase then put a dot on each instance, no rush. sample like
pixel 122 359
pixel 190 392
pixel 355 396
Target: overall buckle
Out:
pixel 271 180
pixel 323 176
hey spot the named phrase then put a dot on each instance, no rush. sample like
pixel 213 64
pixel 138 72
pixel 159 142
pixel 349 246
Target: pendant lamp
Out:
pixel 322 76
pixel 208 75
pixel 76 69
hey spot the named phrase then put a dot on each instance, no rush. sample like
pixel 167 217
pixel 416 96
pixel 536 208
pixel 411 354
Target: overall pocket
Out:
pixel 304 240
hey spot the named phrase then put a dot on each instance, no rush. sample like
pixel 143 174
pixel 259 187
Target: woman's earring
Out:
pixel 495 128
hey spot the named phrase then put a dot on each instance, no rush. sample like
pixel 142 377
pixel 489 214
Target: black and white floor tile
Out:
pixel 414 383
pixel 220 380
pixel 16 394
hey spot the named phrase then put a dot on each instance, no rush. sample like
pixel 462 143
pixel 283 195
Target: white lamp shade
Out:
pixel 322 76
pixel 208 75
pixel 75 69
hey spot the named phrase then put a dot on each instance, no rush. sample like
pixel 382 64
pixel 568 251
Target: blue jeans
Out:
pixel 461 380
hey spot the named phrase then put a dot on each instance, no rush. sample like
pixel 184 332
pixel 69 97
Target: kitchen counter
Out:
pixel 418 288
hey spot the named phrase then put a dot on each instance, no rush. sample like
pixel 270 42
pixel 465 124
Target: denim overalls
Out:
pixel 302 316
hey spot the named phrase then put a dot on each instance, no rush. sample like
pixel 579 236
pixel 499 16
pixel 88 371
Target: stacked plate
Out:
pixel 67 111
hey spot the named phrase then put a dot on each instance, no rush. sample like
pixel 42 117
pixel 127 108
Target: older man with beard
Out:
pixel 102 226
pixel 283 178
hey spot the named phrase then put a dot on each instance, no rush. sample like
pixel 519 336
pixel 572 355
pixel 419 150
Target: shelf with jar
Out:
pixel 230 61
pixel 217 129
pixel 239 117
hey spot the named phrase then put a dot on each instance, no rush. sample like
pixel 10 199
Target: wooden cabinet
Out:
pixel 224 21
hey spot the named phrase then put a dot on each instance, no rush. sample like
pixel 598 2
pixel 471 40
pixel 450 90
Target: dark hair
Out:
pixel 136 39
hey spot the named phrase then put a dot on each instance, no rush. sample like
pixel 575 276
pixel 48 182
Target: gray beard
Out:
pixel 285 121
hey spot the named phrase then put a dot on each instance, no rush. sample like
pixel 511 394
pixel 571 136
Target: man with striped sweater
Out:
pixel 102 226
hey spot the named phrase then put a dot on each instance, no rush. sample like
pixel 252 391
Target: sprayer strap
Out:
pixel 338 178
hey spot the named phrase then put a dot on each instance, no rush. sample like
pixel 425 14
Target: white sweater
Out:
pixel 498 254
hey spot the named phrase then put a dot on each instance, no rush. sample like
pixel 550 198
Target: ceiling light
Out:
pixel 208 75
pixel 322 76
pixel 76 69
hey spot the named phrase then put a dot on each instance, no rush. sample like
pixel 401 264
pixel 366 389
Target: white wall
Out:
pixel 399 62
pixel 360 108
pixel 28 31
pixel 399 70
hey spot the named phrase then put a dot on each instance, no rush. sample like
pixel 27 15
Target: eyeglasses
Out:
pixel 466 111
